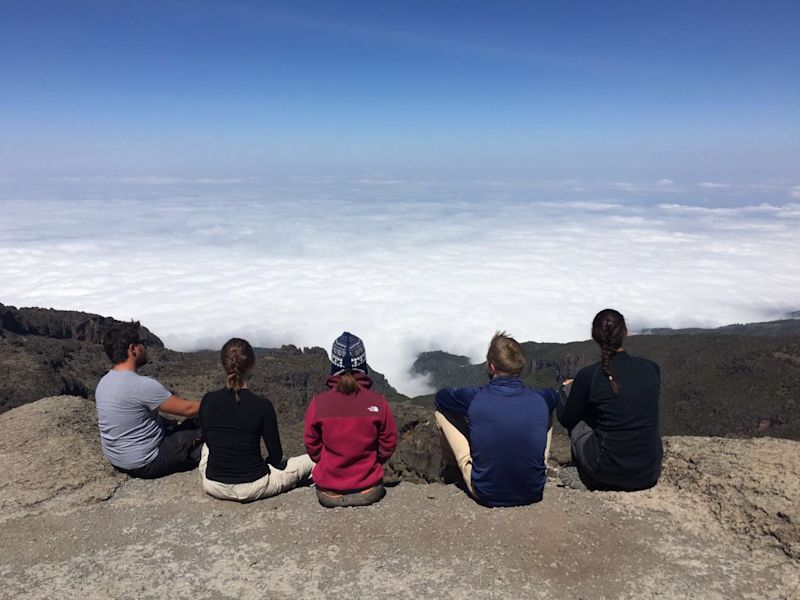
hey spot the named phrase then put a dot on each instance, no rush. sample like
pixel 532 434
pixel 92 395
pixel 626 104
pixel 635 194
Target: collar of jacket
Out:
pixel 363 381
pixel 506 381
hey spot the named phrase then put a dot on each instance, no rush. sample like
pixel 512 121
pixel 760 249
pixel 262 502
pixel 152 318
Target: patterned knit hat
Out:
pixel 348 354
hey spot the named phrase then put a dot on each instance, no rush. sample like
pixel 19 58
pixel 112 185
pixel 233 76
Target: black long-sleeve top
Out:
pixel 625 449
pixel 233 432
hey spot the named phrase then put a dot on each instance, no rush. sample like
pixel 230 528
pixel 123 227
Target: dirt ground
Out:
pixel 723 523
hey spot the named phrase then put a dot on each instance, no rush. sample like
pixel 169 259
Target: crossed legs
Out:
pixel 297 470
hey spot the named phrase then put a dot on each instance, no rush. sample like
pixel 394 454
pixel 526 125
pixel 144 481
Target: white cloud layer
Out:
pixel 405 274
pixel 711 185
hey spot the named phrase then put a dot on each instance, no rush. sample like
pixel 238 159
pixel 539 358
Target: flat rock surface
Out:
pixel 722 523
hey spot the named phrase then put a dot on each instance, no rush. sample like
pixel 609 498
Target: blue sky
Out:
pixel 690 91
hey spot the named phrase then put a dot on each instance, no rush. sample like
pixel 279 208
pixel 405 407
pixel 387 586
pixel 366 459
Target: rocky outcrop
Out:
pixel 63 324
pixel 750 487
pixel 50 457
pixel 45 352
pixel 50 454
pixel 50 451
pixel 722 523
pixel 418 457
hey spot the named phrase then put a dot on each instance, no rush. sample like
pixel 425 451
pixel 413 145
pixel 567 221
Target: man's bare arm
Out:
pixel 181 407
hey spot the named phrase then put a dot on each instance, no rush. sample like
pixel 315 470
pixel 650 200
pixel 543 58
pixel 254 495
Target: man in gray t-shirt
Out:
pixel 131 432
pixel 127 406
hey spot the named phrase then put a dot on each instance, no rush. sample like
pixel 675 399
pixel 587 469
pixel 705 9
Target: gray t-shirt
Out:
pixel 126 415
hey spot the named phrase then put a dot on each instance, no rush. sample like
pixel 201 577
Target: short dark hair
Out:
pixel 118 339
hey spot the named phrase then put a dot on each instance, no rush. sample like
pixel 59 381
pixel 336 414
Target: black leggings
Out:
pixel 579 437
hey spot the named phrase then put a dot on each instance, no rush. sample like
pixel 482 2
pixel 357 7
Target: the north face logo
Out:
pixel 373 408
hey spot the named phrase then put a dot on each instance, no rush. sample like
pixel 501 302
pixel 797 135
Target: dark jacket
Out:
pixel 507 437
pixel 233 432
pixel 625 449
pixel 349 437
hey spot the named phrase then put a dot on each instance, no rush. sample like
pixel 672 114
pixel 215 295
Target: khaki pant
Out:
pixel 273 483
pixel 455 445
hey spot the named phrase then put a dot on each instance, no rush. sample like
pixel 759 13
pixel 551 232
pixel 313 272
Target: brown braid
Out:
pixel 237 359
pixel 609 330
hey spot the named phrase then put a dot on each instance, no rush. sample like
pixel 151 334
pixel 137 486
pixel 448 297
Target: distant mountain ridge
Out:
pixel 784 327
pixel 63 324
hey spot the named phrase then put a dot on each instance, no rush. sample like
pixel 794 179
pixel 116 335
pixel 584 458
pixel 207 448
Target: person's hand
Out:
pixel 567 382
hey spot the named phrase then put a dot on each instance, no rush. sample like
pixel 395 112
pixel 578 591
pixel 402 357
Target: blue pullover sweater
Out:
pixel 507 437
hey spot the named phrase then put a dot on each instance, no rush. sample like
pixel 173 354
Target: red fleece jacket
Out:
pixel 349 437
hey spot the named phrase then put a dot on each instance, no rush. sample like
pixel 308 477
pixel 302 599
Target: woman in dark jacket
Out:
pixel 611 410
pixel 349 431
pixel 234 421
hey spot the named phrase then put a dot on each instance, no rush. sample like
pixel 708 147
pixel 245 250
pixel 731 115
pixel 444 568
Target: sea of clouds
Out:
pixel 408 266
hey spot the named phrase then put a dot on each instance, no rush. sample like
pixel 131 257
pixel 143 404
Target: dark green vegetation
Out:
pixel 717 383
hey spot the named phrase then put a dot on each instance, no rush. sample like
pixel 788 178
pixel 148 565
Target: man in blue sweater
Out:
pixel 498 433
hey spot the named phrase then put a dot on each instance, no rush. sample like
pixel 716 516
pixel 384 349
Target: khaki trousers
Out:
pixel 455 444
pixel 273 483
pixel 454 431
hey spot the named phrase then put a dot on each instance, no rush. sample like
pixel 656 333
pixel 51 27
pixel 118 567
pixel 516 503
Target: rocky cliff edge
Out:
pixel 722 523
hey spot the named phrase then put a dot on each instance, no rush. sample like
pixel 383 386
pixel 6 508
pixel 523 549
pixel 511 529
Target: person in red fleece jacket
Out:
pixel 349 431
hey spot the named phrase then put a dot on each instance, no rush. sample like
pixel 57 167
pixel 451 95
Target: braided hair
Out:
pixel 237 359
pixel 609 330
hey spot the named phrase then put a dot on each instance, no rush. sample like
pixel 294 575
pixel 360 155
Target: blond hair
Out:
pixel 506 354
pixel 348 384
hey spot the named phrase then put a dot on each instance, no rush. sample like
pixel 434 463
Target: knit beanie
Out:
pixel 348 354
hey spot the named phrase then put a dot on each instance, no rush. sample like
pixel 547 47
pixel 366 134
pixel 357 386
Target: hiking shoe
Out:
pixel 570 478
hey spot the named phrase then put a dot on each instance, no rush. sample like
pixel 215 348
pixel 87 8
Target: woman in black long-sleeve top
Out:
pixel 234 421
pixel 612 413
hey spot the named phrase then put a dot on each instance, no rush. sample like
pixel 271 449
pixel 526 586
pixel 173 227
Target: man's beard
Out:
pixel 141 359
